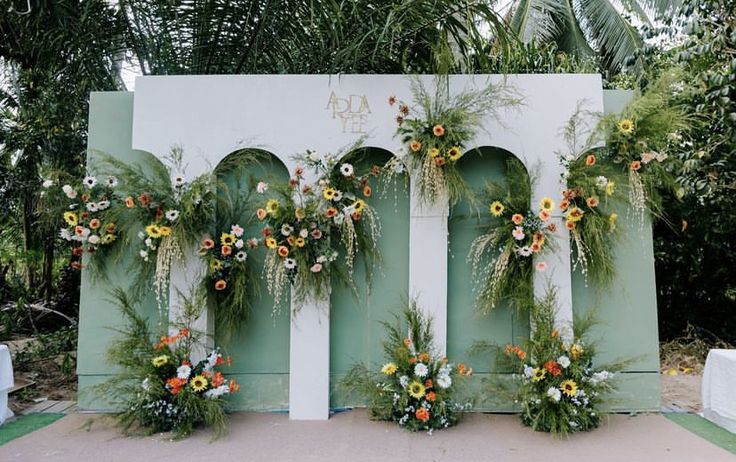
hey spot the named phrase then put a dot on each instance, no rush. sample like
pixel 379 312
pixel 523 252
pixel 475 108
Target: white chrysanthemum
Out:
pixel 337 197
pixel 89 181
pixel 261 187
pixel 94 239
pixel 178 180
pixel 444 381
pixel 346 169
pixel 564 361
pixel 215 393
pixel 103 204
pixel 289 263
pixel 554 394
pixel 241 256
pixel 421 370
pixel 239 244
pixel 92 206
pixel 47 183
pixel 65 234
pixel 599 377
pixel 172 215
pixel 404 381
pixel 183 371
pixel 286 229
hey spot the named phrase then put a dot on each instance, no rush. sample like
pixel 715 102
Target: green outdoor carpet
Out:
pixel 26 424
pixel 705 429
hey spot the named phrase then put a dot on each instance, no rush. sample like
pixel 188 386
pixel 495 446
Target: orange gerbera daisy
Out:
pixel 261 214
pixel 367 191
pixel 590 160
pixel 226 250
pixel 129 202
pixel 94 223
pixel 431 397
pixel 439 161
pixel 331 212
pixel 438 130
pixel 517 218
pixel 283 251
pixel 592 202
pixel 208 243
pixel 544 215
pixel 220 284
pixel 635 165
pixel 424 357
pixel 415 146
pixel 422 414
pixel 564 204
pixel 570 225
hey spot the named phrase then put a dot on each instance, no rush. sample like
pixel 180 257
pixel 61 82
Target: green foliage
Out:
pixel 60 344
pixel 415 387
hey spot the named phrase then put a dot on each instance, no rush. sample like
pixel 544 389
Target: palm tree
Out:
pixel 588 27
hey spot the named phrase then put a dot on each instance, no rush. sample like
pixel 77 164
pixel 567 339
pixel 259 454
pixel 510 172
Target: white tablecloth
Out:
pixel 719 388
pixel 6 382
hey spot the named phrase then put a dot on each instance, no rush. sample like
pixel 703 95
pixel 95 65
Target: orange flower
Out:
pixel 265 232
pixel 261 214
pixel 85 197
pixel 76 265
pixel 229 360
pixel 292 241
pixel 331 212
pixel 431 397
pixel 570 225
pixel 413 360
pixel 391 100
pixel 461 369
pixel 536 247
pixel 415 146
pixel 226 250
pixel 94 223
pixel 517 218
pixel 521 354
pixel 424 357
pixel 635 165
pixel 367 191
pixel 422 414
pixel 544 215
pixel 407 342
pixel 439 161
pixel 554 333
pixel 208 243
pixel 220 284
pixel 234 387
pixel 144 199
pixel 510 349
pixel 553 368
pixel 552 227
pixel 129 202
pixel 590 160
pixel 539 237
pixel 428 383
pixel 592 202
pixel 283 251
pixel 218 379
pixel 564 204
pixel 356 216
pixel 438 130
pixel 183 332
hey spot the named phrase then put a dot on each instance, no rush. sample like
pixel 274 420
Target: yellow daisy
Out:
pixel 71 218
pixel 272 206
pixel 227 239
pixel 576 350
pixel 569 387
pixel 497 208
pixel 271 243
pixel 216 265
pixel 159 361
pixel 547 204
pixel 626 126
pixel 538 374
pixel 359 205
pixel 300 242
pixel 198 383
pixel 434 152
pixel 108 238
pixel 328 194
pixel 153 231
pixel 416 390
pixel 165 230
pixel 454 153
pixel 300 214
pixel 389 369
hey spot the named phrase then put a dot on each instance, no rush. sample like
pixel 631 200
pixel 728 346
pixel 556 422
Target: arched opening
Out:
pixel 356 332
pixel 260 346
pixel 465 325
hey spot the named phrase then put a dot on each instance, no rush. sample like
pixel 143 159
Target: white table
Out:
pixel 719 388
pixel 6 382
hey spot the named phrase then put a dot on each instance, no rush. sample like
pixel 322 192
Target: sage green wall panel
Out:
pixel 465 325
pixel 356 332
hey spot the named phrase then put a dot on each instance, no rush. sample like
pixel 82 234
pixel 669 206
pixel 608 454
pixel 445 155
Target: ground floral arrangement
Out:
pixel 560 390
pixel 160 388
pixel 416 387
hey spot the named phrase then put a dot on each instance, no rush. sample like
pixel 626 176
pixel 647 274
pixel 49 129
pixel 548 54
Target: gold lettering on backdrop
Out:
pixel 352 112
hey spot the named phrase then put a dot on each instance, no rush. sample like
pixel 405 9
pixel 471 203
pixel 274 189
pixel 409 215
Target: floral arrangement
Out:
pixel 228 275
pixel 305 224
pixel 160 388
pixel 164 212
pixel 559 389
pixel 514 236
pixel 87 220
pixel 415 388
pixel 435 139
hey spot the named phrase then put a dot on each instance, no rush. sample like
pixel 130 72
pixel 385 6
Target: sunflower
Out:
pixel 547 204
pixel 575 214
pixel 359 205
pixel 271 243
pixel 389 369
pixel 71 218
pixel 216 265
pixel 198 383
pixel 497 208
pixel 626 126
pixel 153 231
pixel 165 230
pixel 454 153
pixel 416 390
pixel 538 374
pixel 227 239
pixel 434 152
pixel 569 387
pixel 108 238
pixel 272 206
pixel 159 361
pixel 328 194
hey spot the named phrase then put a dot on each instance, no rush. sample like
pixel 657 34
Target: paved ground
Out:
pixel 352 437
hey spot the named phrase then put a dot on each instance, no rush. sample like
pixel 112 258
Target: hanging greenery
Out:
pixel 501 258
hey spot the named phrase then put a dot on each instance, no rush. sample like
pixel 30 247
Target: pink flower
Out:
pixel 518 233
pixel 316 268
pixel 316 233
pixel 542 266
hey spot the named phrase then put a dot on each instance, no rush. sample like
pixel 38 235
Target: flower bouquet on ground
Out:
pixel 415 387
pixel 560 390
pixel 88 222
pixel 160 388
pixel 306 224
pixel 437 136
pixel 518 233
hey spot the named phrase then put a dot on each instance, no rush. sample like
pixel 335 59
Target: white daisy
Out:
pixel 261 187
pixel 47 183
pixel 92 206
pixel 564 361
pixel 444 381
pixel 183 371
pixel 286 229
pixel 337 197
pixel 102 205
pixel 66 234
pixel 524 251
pixel 346 169
pixel 601 182
pixel 304 233
pixel 421 370
pixel 178 180
pixel 554 394
pixel 112 181
pixel 241 256
pixel 69 191
pixel 172 215
pixel 289 263
pixel 89 181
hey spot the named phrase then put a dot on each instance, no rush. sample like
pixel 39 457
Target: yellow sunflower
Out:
pixel 626 126
pixel 389 369
pixel 434 152
pixel 216 265
pixel 165 230
pixel 359 205
pixel 198 383
pixel 300 242
pixel 328 194
pixel 271 243
pixel 497 208
pixel 71 218
pixel 300 214
pixel 272 206
pixel 538 374
pixel 153 231
pixel 416 390
pixel 575 214
pixel 576 350
pixel 569 387
pixel 454 153
pixel 159 361
pixel 547 204
pixel 108 239
pixel 227 239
